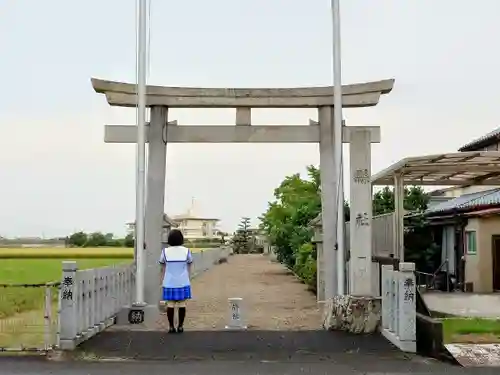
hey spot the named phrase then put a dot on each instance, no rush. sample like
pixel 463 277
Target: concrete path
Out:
pixel 284 325
pixel 273 299
pixel 464 304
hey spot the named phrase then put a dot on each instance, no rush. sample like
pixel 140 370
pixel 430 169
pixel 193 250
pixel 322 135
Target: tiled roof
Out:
pixel 485 138
pixel 469 201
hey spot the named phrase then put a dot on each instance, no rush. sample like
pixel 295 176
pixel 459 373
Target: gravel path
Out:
pixel 273 299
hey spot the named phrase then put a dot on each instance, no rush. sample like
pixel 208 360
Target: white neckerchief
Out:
pixel 176 254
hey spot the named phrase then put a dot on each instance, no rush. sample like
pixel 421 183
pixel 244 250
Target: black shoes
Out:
pixel 178 330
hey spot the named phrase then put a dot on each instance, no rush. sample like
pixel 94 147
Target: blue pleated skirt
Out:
pixel 177 294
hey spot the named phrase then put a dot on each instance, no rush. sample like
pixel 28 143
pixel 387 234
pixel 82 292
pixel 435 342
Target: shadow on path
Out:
pixel 367 352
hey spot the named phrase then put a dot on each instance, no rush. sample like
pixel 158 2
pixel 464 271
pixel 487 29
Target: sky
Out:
pixel 58 176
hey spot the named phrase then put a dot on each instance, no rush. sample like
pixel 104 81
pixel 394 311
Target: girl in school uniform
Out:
pixel 176 261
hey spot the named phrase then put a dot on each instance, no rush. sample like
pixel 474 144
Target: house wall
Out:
pixel 472 261
pixel 478 267
pixel 458 191
pixel 492 147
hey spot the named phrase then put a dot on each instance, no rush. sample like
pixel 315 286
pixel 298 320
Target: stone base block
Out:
pixel 151 316
pixel 353 314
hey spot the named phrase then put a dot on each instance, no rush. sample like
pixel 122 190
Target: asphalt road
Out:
pixel 41 367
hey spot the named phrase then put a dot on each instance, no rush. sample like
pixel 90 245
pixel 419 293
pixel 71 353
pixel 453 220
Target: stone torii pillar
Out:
pixel 360 268
pixel 155 199
pixel 359 273
pixel 359 311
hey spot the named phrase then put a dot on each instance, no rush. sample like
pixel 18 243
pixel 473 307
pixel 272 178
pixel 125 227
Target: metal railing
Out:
pixel 28 317
pixel 428 281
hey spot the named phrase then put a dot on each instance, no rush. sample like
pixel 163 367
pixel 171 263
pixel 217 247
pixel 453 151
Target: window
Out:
pixel 470 240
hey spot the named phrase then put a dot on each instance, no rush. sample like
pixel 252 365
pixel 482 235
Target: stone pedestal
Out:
pixel 353 314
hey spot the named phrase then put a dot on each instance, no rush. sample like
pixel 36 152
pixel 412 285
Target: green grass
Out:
pixel 34 271
pixel 14 300
pixel 22 309
pixel 74 253
pixel 471 330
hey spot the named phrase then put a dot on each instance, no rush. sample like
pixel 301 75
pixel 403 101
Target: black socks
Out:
pixel 170 317
pixel 182 316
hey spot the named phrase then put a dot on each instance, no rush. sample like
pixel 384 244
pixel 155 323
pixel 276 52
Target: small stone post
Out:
pixel 68 309
pixel 386 295
pixel 236 316
pixel 395 297
pixel 317 240
pixel 407 307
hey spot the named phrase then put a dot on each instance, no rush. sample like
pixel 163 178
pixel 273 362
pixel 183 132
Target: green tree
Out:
pixel 96 239
pixel 418 239
pixel 415 199
pixel 286 221
pixel 298 201
pixel 129 240
pixel 241 239
pixel 78 239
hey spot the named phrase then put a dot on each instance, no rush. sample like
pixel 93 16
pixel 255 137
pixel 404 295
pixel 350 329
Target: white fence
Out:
pixel 205 259
pixel 89 300
pixel 399 306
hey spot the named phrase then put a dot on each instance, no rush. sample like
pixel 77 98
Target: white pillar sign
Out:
pixel 236 320
pixel 407 304
pixel 361 214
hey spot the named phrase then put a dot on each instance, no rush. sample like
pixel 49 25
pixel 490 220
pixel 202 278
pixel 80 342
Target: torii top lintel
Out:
pixel 357 95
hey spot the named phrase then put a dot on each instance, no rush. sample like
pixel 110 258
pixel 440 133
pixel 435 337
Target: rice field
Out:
pixel 70 253
pixel 22 306
pixel 22 322
pixel 66 253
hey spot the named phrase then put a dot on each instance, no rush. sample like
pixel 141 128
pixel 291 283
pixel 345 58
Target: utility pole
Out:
pixel 141 151
pixel 338 156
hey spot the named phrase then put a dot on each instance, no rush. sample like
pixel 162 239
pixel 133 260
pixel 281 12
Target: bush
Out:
pixel 305 264
pixel 286 223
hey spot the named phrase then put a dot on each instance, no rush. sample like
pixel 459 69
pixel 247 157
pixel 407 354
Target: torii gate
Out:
pixel 160 132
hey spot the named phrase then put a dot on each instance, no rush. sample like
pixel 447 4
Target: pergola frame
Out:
pixel 452 169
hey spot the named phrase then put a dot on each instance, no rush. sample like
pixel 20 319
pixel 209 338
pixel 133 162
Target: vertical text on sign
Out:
pixel 235 311
pixel 236 320
pixel 67 288
pixel 361 176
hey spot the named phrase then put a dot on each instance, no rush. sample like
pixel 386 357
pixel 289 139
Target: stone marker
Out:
pixel 235 315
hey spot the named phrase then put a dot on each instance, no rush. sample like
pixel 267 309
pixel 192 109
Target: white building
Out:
pixel 195 227
pixel 168 224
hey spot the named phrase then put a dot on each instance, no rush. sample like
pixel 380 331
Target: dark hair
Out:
pixel 175 238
